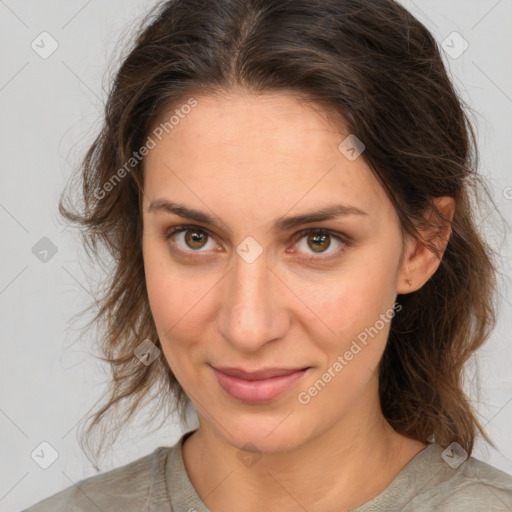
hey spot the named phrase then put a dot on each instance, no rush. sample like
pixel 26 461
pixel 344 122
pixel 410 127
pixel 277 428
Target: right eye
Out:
pixel 188 238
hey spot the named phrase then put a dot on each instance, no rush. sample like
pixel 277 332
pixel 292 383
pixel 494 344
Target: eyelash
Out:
pixel 298 236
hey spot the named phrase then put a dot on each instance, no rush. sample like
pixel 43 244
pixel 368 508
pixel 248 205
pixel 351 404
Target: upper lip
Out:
pixel 263 373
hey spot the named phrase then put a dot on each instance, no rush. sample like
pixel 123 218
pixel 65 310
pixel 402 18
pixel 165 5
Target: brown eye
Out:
pixel 189 238
pixel 195 239
pixel 319 242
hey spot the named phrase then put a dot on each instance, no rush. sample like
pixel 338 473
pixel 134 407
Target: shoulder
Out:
pixel 126 488
pixel 481 484
pixel 473 486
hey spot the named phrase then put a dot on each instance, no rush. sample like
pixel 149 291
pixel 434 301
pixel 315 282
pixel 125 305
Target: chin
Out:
pixel 265 434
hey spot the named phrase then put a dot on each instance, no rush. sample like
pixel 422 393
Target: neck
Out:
pixel 339 469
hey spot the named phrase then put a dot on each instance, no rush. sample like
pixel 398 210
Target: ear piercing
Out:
pixel 409 282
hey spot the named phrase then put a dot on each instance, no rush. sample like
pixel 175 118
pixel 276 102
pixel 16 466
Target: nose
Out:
pixel 253 310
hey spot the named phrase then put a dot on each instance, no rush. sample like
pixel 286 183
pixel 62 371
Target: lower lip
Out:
pixel 256 391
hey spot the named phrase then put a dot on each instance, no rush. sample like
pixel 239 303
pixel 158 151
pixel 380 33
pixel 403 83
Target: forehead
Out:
pixel 258 153
pixel 275 125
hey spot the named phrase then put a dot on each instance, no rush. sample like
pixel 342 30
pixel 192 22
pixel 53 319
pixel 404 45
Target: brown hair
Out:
pixel 374 64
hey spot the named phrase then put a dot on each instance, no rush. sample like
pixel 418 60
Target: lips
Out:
pixel 258 374
pixel 256 387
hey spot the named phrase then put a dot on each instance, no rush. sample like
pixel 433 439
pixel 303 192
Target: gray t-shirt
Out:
pixel 158 482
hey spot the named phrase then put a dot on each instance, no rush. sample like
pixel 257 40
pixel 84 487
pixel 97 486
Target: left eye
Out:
pixel 320 240
pixel 193 239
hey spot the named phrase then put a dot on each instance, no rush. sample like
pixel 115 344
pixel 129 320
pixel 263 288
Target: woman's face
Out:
pixel 248 288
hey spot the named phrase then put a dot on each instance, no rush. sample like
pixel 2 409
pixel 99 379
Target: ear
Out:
pixel 420 263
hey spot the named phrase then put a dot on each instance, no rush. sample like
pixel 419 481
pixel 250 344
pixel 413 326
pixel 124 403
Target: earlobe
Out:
pixel 420 266
pixel 420 262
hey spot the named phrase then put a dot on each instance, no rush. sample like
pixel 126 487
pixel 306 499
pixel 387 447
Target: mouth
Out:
pixel 259 386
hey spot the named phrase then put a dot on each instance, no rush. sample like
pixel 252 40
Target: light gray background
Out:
pixel 50 111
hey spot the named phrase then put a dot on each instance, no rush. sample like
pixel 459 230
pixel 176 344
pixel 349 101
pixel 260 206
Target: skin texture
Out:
pixel 248 160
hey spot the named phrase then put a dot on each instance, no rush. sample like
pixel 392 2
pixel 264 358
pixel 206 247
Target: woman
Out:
pixel 285 188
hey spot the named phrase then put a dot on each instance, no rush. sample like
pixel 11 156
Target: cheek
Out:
pixel 360 312
pixel 171 291
pixel 349 305
pixel 164 290
pixel 169 307
pixel 178 299
pixel 175 307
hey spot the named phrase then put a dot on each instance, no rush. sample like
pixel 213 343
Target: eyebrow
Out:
pixel 280 224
